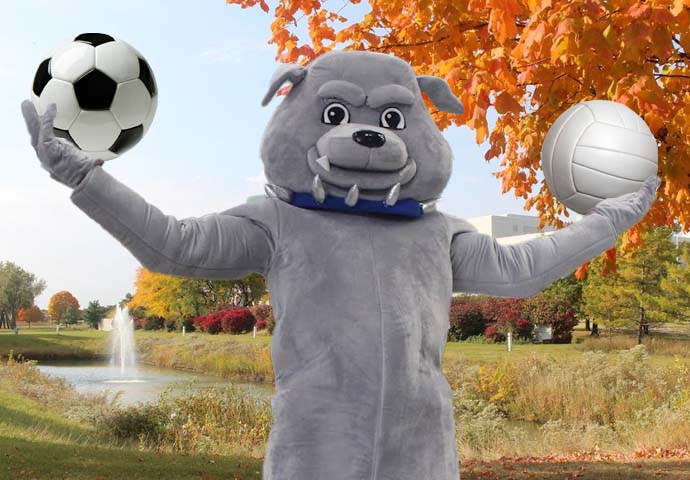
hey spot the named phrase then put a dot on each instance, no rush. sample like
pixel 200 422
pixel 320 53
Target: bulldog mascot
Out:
pixel 359 263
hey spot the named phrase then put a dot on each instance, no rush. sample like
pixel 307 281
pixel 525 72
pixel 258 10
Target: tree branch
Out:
pixel 670 75
pixel 427 42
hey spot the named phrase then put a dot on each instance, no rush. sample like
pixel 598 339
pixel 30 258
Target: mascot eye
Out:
pixel 392 118
pixel 336 114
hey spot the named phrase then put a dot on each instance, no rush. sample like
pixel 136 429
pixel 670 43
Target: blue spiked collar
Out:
pixel 407 207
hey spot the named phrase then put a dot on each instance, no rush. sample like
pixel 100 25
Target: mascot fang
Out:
pixel 359 264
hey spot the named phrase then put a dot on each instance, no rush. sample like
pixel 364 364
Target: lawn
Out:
pixel 37 442
pixel 42 343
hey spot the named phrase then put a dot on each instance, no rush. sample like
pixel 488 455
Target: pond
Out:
pixel 95 377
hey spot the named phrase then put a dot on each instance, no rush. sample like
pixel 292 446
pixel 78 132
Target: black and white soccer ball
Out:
pixel 105 93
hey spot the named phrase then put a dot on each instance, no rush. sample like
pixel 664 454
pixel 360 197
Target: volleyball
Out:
pixel 596 150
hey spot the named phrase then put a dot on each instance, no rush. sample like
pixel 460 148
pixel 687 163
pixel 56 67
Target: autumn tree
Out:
pixel 29 315
pixel 18 289
pixel 170 296
pixel 59 303
pixel 527 60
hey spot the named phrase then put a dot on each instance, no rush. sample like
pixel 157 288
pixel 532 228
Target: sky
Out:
pixel 212 63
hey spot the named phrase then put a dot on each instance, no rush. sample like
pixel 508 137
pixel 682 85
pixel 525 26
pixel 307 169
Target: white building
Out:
pixel 510 228
pixel 105 324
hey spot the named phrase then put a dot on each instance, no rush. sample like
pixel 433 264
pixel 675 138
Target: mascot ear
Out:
pixel 440 94
pixel 287 72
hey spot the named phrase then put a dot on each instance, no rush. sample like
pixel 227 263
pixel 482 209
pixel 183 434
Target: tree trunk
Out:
pixel 587 327
pixel 640 327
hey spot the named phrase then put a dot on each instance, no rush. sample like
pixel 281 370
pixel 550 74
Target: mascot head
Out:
pixel 354 126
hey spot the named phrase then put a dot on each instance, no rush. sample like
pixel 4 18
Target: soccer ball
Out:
pixel 105 93
pixel 595 150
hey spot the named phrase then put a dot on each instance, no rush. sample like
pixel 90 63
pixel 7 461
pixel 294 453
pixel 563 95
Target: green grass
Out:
pixel 40 438
pixel 38 441
pixel 42 343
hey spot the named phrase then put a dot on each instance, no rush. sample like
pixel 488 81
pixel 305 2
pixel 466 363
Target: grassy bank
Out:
pixel 234 357
pixel 247 358
pixel 47 431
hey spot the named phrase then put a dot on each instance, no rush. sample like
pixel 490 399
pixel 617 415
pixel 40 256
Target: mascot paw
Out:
pixel 63 161
pixel 627 210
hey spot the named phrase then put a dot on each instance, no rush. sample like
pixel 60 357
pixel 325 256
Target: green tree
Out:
pixel 598 293
pixel 18 289
pixel 71 315
pixel 94 312
pixel 675 304
pixel 634 295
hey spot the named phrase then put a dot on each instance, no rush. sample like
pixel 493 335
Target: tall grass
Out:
pixel 219 421
pixel 523 406
pixel 547 405
pixel 206 354
pixel 655 345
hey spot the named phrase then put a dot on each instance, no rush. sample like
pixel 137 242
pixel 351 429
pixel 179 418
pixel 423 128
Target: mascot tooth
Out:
pixel 360 264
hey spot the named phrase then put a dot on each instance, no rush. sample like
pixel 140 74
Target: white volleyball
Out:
pixel 595 150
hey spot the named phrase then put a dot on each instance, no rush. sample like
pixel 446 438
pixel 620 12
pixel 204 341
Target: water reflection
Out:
pixel 95 377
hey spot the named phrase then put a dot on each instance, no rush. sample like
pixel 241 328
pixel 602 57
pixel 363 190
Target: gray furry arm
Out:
pixel 482 265
pixel 216 246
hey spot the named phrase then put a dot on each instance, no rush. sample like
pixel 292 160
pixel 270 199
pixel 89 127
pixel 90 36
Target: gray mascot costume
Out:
pixel 360 265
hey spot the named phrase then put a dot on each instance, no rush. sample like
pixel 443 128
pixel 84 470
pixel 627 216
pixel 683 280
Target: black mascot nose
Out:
pixel 369 138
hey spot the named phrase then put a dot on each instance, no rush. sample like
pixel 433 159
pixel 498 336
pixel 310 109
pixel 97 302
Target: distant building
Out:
pixel 105 324
pixel 510 228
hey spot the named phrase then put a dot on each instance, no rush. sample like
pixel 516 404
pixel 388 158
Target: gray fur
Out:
pixel 361 302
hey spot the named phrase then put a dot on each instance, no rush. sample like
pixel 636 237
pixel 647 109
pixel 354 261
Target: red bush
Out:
pixel 466 319
pixel 504 312
pixel 493 335
pixel 238 320
pixel 209 323
pixel 524 328
pixel 261 324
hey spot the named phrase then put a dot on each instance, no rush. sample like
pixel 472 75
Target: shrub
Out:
pixel 214 421
pixel 153 323
pixel 171 325
pixel 550 309
pixel 187 323
pixel 524 329
pixel 138 323
pixel 214 323
pixel 264 313
pixel 145 422
pixel 466 319
pixel 493 335
pixel 271 324
pixel 238 320
pixel 209 323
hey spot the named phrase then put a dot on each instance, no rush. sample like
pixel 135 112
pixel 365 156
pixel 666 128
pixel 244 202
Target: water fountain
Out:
pixel 123 354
